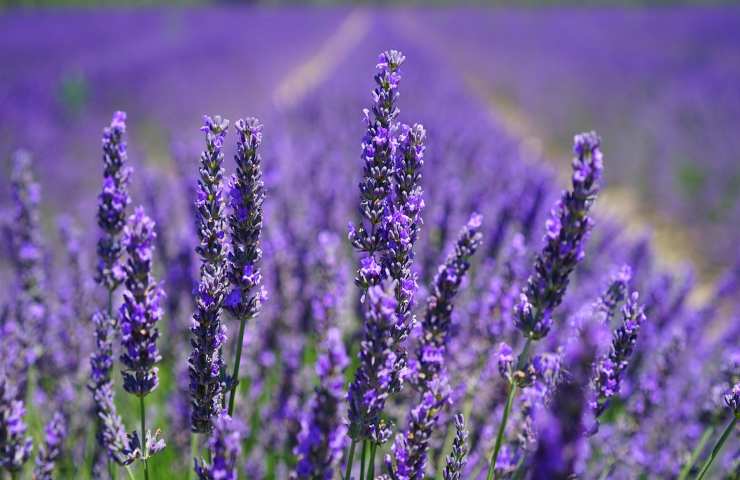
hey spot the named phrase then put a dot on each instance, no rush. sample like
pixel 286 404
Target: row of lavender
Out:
pixel 659 84
pixel 572 400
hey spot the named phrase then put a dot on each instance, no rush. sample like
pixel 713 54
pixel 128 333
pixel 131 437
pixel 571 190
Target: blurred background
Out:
pixel 658 80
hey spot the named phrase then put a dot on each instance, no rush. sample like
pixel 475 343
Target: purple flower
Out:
pixel 141 308
pixel 323 435
pixel 112 203
pixel 225 446
pixel 609 369
pixel 16 446
pixel 246 196
pixel 732 399
pixel 458 456
pixel 208 334
pixel 372 383
pixel 54 434
pixel 567 230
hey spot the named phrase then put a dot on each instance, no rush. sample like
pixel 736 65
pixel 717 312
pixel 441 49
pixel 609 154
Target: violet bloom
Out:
pixel 141 308
pixel 436 322
pixel 246 196
pixel 225 447
pixel 123 448
pixel 112 203
pixel 371 386
pixel 567 231
pixel 614 294
pixel 378 148
pixel 50 451
pixel 15 445
pixel 208 334
pixel 458 456
pixel 732 400
pixel 609 369
pixel 323 434
pixel 561 435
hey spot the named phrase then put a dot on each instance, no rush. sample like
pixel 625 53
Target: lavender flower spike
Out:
pixel 410 449
pixel 323 435
pixel 16 446
pixel 567 230
pixel 225 447
pixel 51 449
pixel 247 194
pixel 112 203
pixel 457 458
pixel 122 447
pixel 141 309
pixel 371 385
pixel 609 369
pixel 436 323
pixel 378 149
pixel 208 334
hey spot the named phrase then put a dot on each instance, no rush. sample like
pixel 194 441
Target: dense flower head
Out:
pixel 112 203
pixel 16 446
pixel 614 294
pixel 323 434
pixel 141 308
pixel 732 399
pixel 246 196
pixel 378 153
pixel 409 450
pixel 372 383
pixel 456 460
pixel 609 369
pixel 51 449
pixel 567 230
pixel 208 335
pixel 438 315
pixel 225 447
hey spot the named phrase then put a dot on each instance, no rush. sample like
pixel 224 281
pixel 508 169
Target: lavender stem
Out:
pixel 697 451
pixel 501 428
pixel 717 447
pixel 371 468
pixel 237 362
pixel 363 458
pixel 142 411
pixel 350 460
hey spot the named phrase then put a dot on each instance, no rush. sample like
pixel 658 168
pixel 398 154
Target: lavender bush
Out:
pixel 550 345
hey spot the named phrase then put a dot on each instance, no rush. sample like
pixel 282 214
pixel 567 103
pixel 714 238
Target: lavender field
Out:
pixel 369 243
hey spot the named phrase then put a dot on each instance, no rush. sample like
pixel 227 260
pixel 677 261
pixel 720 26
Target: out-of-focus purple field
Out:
pixel 565 338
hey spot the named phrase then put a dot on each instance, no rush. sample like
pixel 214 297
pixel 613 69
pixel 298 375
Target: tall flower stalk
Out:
pixel 16 445
pixel 428 370
pixel 458 456
pixel 567 230
pixel 206 362
pixel 139 314
pixel 246 196
pixel 224 445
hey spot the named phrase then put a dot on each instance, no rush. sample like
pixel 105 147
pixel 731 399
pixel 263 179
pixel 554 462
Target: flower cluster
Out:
pixel 225 447
pixel 16 446
pixel 323 435
pixel 567 230
pixel 456 460
pixel 208 334
pixel 141 308
pixel 609 369
pixel 371 386
pixel 112 203
pixel 50 451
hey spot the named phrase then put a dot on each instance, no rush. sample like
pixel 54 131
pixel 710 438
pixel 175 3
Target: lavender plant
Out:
pixel 16 446
pixel 246 194
pixel 567 231
pixel 208 334
pixel 224 446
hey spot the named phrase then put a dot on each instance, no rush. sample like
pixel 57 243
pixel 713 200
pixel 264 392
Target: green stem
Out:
pixel 237 362
pixel 708 432
pixel 111 470
pixel 363 458
pixel 371 467
pixel 350 459
pixel 130 473
pixel 193 453
pixel 717 447
pixel 142 411
pixel 521 361
pixel 501 429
